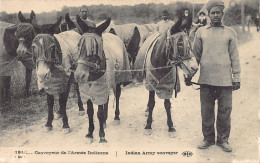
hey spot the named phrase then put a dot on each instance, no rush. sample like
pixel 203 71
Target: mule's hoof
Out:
pixel 90 139
pixel 89 136
pixel 48 128
pixel 102 140
pixel 66 130
pixel 116 122
pixel 148 132
pixel 172 129
pixel 117 118
pixel 57 116
pixel 148 127
pixel 81 113
pixel 171 132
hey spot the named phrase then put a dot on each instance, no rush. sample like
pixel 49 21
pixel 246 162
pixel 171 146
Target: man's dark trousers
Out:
pixel 208 96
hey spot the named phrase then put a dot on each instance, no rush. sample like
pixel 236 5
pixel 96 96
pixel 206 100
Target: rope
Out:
pixel 137 70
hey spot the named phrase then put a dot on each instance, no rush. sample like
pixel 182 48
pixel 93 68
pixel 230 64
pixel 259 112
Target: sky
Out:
pixel 14 6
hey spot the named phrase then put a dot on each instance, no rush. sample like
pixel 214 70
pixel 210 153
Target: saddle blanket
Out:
pixel 68 41
pixel 163 86
pixel 57 83
pixel 116 59
pixel 7 62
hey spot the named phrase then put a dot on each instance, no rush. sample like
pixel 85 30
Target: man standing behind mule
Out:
pixel 215 48
pixel 163 25
pixel 83 14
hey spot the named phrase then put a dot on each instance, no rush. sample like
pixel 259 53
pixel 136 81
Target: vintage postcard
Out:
pixel 129 81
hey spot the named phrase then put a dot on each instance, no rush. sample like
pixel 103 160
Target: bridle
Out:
pixel 174 55
pixel 94 65
pixel 45 56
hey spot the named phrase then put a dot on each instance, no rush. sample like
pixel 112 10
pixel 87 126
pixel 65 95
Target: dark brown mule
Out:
pixel 54 68
pixel 166 52
pixel 99 55
pixel 11 37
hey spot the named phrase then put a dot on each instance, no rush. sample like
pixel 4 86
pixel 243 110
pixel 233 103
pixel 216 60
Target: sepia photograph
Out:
pixel 129 81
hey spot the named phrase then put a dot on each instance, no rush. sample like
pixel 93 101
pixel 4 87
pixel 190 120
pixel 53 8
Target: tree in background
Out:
pixel 233 13
pixel 140 14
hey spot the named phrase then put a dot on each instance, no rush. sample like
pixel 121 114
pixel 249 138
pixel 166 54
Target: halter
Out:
pixel 86 46
pixel 43 53
pixel 172 51
pixel 90 64
pixel 26 31
pixel 66 25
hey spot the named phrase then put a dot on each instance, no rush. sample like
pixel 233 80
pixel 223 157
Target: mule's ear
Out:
pixel 32 16
pixel 112 30
pixel 176 27
pixel 102 27
pixel 58 22
pixel 82 24
pixel 21 17
pixel 70 23
pixel 54 27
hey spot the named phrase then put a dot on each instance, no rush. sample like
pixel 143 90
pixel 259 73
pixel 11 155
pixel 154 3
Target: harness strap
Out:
pixel 90 64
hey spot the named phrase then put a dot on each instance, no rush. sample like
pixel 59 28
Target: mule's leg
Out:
pixel 28 77
pixel 90 111
pixel 151 104
pixel 1 91
pixel 50 103
pixel 63 98
pixel 167 105
pixel 106 112
pixel 100 115
pixel 118 94
pixel 6 88
pixel 80 103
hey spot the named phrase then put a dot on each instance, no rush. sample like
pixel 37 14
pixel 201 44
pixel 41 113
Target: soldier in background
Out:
pixel 202 20
pixel 83 14
pixel 163 25
pixel 248 22
pixel 187 15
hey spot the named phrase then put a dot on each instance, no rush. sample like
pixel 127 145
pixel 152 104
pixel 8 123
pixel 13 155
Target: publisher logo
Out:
pixel 187 153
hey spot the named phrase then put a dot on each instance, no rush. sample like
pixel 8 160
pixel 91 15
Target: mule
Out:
pixel 133 35
pixel 159 56
pixel 9 54
pixel 26 33
pixel 55 58
pixel 102 64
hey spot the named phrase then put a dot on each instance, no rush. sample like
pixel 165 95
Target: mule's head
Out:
pixel 90 49
pixel 26 32
pixel 46 55
pixel 178 49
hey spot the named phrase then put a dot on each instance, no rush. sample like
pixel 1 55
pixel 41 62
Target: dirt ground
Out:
pixel 130 135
